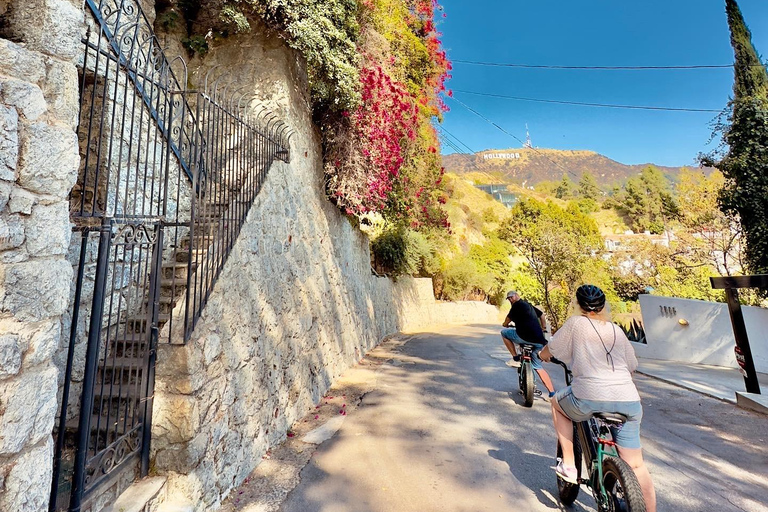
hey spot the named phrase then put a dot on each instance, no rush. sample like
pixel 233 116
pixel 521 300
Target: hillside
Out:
pixel 526 166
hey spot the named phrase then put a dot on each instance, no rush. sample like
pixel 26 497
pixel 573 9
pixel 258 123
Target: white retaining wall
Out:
pixel 708 337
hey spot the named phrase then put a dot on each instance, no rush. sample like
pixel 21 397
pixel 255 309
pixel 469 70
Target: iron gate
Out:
pixel 166 179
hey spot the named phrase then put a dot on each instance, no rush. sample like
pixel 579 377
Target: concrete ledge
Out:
pixel 136 497
pixel 752 401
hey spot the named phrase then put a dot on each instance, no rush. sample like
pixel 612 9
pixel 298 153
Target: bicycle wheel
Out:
pixel 526 383
pixel 622 487
pixel 567 491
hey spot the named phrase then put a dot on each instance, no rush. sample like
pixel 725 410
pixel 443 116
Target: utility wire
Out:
pixel 455 138
pixel 595 68
pixel 585 104
pixel 478 114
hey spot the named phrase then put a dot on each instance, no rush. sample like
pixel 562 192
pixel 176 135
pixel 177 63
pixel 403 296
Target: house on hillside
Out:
pixel 616 243
pixel 499 193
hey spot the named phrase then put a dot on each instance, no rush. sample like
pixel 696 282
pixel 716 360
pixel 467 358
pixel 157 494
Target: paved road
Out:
pixel 444 430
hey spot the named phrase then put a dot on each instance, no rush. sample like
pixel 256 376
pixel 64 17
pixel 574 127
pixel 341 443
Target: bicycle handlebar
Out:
pixel 568 374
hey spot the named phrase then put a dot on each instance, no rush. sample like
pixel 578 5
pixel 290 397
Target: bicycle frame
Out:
pixel 596 443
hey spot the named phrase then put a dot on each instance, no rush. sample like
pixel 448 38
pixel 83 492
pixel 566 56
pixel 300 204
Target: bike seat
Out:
pixel 611 417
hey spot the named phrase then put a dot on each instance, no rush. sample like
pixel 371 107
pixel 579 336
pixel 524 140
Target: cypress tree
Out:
pixel 745 165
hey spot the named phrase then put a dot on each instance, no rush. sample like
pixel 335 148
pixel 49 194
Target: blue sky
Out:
pixel 593 33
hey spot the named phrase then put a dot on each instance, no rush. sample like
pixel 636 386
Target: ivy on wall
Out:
pixel 377 71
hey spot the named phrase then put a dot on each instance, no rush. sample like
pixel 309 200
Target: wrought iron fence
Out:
pixel 166 180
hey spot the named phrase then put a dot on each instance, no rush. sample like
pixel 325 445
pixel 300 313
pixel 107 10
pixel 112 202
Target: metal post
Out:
pixel 742 340
pixel 154 304
pixel 68 373
pixel 91 362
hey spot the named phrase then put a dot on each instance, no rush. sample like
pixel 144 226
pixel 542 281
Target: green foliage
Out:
pixel 588 188
pixel 326 33
pixel 750 78
pixel 389 252
pixel 461 279
pixel 647 201
pixel 565 189
pixel 492 259
pixel 490 216
pixel 558 245
pixel 587 205
pixel 745 166
pixel 401 251
pixel 706 234
pixel 195 44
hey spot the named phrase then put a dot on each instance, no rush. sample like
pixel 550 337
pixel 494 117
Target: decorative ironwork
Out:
pixel 166 180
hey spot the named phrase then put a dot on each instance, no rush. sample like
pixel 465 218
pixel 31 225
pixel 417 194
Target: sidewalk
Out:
pixel 715 381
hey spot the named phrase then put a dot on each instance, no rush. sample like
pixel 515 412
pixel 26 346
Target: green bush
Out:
pixel 461 279
pixel 390 252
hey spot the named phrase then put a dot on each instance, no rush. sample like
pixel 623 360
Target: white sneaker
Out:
pixel 513 364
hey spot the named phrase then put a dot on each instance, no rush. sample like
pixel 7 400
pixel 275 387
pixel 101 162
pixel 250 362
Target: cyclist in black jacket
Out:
pixel 529 327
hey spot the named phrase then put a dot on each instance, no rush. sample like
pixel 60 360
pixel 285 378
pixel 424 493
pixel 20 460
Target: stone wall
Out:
pixel 295 306
pixel 38 166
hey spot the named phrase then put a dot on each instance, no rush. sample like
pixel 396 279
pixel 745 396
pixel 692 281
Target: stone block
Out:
pixel 10 355
pixel 5 194
pixel 176 418
pixel 43 343
pixel 27 98
pixel 9 142
pixel 36 290
pixel 19 62
pixel 48 159
pixel 23 491
pixel 182 457
pixel 11 232
pixel 21 201
pixel 61 91
pixel 28 404
pixel 48 230
pixel 51 27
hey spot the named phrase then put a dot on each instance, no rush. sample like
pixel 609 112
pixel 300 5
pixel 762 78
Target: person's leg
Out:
pixel 634 457
pixel 564 430
pixel 509 337
pixel 539 367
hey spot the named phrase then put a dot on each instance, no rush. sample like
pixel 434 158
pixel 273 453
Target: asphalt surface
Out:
pixel 443 428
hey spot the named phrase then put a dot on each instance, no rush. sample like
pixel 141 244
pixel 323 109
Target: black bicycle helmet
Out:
pixel 590 298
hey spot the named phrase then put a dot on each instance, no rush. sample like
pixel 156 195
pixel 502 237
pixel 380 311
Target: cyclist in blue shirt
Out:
pixel 529 328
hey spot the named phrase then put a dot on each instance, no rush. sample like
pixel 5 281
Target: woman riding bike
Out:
pixel 602 361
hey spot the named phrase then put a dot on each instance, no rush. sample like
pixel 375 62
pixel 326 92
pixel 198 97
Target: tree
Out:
pixel 745 166
pixel 588 188
pixel 558 245
pixel 647 201
pixel 708 235
pixel 565 189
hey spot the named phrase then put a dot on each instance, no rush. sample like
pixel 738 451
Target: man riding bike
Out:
pixel 529 328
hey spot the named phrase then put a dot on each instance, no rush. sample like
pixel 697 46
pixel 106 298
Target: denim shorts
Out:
pixel 510 333
pixel 626 436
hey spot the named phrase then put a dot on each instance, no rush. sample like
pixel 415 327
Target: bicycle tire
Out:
pixel 527 384
pixel 621 486
pixel 568 492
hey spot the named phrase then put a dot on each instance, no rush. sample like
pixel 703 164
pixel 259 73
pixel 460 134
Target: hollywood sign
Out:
pixel 503 156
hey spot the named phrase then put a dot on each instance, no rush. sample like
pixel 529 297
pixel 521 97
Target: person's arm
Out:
pixel 629 351
pixel 561 344
pixel 507 321
pixel 545 354
pixel 542 319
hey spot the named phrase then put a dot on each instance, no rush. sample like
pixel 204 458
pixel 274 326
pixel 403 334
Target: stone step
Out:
pixel 140 496
pixel 177 269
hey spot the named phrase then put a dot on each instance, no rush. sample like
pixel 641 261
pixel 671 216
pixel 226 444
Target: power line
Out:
pixel 595 68
pixel 478 114
pixel 586 104
pixel 455 138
